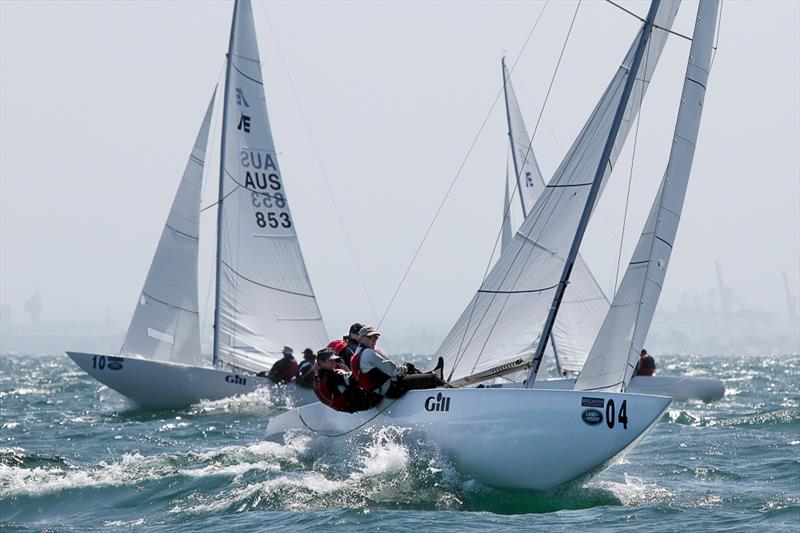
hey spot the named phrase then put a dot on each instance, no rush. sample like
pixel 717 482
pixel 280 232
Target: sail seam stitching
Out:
pixel 162 302
pixel 245 75
pixel 254 282
pixel 179 232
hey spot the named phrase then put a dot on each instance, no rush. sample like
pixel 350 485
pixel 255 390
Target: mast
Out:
pixel 511 141
pixel 593 193
pixel 228 68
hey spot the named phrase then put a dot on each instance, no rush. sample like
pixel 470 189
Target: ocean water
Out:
pixel 75 456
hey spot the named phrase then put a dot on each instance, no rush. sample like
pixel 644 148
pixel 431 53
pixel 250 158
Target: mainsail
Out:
pixel 580 318
pixel 264 294
pixel 499 329
pixel 625 327
pixel 165 323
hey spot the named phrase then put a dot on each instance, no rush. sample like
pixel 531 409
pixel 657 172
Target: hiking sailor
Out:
pixel 352 339
pixel 306 370
pixel 646 365
pixel 284 369
pixel 374 372
pixel 335 388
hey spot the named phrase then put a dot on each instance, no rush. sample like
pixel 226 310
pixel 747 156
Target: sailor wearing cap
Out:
pixel 284 370
pixel 334 387
pixel 374 372
pixel 307 369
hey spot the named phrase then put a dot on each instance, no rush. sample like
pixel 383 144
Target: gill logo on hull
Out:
pixel 437 403
pixel 235 379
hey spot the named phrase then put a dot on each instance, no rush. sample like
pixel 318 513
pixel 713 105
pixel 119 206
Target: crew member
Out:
pixel 335 388
pixel 374 372
pixel 646 365
pixel 306 370
pixel 284 370
pixel 352 339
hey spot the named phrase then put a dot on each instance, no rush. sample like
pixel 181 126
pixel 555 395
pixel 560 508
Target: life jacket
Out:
pixel 647 366
pixel 328 393
pixel 283 370
pixel 366 380
pixel 338 345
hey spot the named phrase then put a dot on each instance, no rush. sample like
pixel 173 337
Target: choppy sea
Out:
pixel 75 456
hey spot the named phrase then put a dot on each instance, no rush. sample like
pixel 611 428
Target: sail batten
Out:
pixel 264 295
pixel 165 325
pixel 498 328
pixel 613 356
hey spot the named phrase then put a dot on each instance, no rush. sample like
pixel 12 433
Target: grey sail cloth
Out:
pixel 502 322
pixel 165 324
pixel 265 295
pixel 625 328
pixel 580 318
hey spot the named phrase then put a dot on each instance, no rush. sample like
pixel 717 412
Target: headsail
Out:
pixel 528 175
pixel 498 331
pixel 166 324
pixel 264 294
pixel 580 318
pixel 506 233
pixel 628 321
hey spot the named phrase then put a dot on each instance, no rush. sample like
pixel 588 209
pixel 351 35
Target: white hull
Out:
pixel 679 388
pixel 503 437
pixel 163 385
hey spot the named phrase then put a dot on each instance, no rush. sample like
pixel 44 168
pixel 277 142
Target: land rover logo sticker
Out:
pixel 592 416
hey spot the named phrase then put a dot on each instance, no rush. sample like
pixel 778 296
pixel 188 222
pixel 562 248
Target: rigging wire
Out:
pixel 322 168
pixel 547 200
pixel 719 29
pixel 630 178
pixel 634 15
pixel 458 172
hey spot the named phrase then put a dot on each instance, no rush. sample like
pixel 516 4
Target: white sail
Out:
pixel 506 233
pixel 501 324
pixel 165 324
pixel 530 182
pixel 628 321
pixel 579 319
pixel 265 294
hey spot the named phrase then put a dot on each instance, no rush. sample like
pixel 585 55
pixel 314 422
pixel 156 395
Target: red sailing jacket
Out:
pixel 326 387
pixel 368 381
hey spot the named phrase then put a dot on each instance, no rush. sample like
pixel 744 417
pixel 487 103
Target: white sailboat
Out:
pixel 264 297
pixel 579 323
pixel 531 427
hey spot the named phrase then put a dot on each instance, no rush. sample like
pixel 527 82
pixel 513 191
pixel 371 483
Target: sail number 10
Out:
pixel 611 414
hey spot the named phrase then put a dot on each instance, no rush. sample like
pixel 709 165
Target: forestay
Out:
pixel 165 323
pixel 265 299
pixel 499 329
pixel 625 327
pixel 579 319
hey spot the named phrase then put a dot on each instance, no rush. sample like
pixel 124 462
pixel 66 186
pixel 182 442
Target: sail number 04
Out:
pixel 611 414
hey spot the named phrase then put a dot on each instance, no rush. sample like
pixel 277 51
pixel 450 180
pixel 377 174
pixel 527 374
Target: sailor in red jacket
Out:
pixel 334 388
pixel 284 370
pixel 646 365
pixel 350 347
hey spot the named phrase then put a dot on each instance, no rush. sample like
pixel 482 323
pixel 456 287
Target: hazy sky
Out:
pixel 100 103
